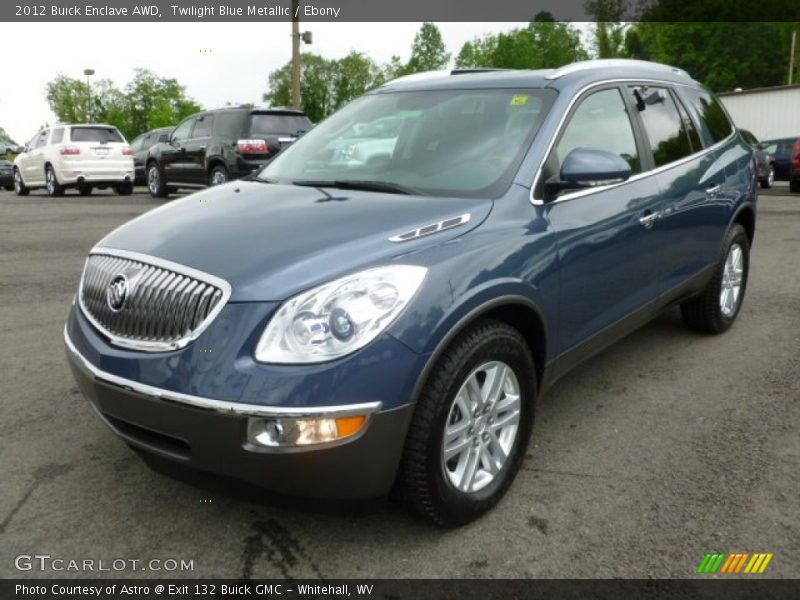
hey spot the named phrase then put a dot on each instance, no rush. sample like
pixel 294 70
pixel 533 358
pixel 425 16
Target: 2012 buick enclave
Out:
pixel 335 328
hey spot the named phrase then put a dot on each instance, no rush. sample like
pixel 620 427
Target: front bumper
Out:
pixel 7 178
pixel 211 435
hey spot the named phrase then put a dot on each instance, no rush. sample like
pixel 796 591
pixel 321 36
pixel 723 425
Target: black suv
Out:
pixel 214 146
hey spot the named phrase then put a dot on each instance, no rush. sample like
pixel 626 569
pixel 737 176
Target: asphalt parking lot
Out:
pixel 668 445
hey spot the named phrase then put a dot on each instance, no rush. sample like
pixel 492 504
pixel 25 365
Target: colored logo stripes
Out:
pixel 736 562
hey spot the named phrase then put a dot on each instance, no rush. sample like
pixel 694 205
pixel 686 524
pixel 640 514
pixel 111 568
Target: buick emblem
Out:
pixel 117 293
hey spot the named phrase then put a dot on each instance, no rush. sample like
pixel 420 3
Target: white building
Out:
pixel 768 113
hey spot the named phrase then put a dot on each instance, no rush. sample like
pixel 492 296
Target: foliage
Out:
pixel 544 43
pixel 428 52
pixel 147 102
pixel 723 55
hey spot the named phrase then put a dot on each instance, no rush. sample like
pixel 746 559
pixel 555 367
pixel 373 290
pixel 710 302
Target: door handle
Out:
pixel 649 219
pixel 713 191
pixel 203 148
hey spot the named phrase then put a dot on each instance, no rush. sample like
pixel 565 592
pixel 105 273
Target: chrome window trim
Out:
pixel 153 346
pixel 585 192
pixel 220 406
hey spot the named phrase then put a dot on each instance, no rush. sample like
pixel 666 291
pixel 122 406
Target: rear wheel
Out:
pixel 8 188
pixel 124 189
pixel 218 175
pixel 53 187
pixel 715 309
pixel 19 186
pixel 794 185
pixel 471 426
pixel 155 181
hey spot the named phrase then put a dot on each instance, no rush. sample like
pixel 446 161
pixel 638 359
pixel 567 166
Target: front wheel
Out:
pixel 769 180
pixel 19 186
pixel 8 188
pixel 716 308
pixel 155 181
pixel 471 425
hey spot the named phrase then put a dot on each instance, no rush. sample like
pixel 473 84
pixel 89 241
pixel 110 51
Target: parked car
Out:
pixel 7 175
pixel 141 150
pixel 781 151
pixel 213 147
pixel 765 162
pixel 338 331
pixel 794 175
pixel 81 156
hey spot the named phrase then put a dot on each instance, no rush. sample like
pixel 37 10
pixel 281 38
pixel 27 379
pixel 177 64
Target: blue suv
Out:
pixel 342 328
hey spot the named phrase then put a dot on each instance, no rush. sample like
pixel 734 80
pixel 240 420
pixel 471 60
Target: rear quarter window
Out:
pixel 714 123
pixel 95 134
pixel 229 124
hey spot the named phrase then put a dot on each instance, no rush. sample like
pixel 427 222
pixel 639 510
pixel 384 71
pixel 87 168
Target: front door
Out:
pixel 609 239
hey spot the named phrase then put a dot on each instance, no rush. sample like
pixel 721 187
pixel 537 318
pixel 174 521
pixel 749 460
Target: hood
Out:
pixel 272 241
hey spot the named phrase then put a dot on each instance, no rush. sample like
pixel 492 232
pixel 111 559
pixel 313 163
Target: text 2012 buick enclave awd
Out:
pixel 337 328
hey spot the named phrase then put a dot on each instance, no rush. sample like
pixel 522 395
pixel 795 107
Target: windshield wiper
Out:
pixel 358 184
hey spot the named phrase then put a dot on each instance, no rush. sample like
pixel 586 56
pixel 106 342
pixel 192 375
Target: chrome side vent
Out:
pixel 431 229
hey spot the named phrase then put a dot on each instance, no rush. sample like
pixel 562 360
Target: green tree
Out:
pixel 723 55
pixel 609 30
pixel 428 52
pixel 354 75
pixel 543 44
pixel 316 86
pixel 147 102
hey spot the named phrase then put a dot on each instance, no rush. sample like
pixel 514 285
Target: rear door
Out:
pixel 101 145
pixel 697 173
pixel 609 247
pixel 278 129
pixel 196 147
pixel 35 163
pixel 174 160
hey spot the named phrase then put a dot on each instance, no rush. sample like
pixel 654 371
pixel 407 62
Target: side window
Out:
pixel 137 144
pixel 42 141
pixel 714 122
pixel 688 125
pixel 162 137
pixel 601 121
pixel 34 141
pixel 203 127
pixel 58 135
pixel 183 131
pixel 669 140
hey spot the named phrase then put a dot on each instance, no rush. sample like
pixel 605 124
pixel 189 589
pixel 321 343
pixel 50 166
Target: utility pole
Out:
pixel 296 100
pixel 791 57
pixel 88 73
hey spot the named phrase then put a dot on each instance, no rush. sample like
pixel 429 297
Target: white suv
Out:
pixel 82 156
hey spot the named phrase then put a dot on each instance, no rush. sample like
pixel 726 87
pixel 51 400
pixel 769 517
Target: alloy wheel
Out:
pixel 481 427
pixel 152 180
pixel 732 279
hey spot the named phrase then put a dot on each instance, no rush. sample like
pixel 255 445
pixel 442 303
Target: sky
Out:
pixel 217 62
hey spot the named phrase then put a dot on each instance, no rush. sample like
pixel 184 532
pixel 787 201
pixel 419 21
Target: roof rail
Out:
pixel 475 70
pixel 604 63
pixel 423 76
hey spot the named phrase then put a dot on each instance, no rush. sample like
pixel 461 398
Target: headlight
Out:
pixel 339 317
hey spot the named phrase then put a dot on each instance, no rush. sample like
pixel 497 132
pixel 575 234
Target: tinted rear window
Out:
pixel 272 124
pixel 95 134
pixel 713 120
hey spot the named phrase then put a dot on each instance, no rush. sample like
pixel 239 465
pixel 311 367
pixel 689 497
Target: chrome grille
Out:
pixel 165 306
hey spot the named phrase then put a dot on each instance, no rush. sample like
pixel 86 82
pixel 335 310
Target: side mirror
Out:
pixel 588 167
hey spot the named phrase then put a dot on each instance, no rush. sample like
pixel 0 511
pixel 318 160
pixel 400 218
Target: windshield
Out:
pixel 95 134
pixel 453 142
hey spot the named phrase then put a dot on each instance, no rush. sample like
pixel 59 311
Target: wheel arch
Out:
pixel 517 311
pixel 746 217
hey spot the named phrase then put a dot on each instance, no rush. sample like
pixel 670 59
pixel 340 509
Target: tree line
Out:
pixel 723 55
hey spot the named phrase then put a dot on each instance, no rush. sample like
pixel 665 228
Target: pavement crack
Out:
pixel 42 475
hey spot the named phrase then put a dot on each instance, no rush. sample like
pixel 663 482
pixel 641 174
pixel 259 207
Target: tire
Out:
pixel 769 180
pixel 85 190
pixel 428 482
pixel 19 186
pixel 794 185
pixel 8 188
pixel 51 183
pixel 218 175
pixel 709 312
pixel 155 181
pixel 124 189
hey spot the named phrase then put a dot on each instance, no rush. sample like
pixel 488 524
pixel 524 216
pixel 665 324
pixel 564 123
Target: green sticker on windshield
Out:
pixel 520 100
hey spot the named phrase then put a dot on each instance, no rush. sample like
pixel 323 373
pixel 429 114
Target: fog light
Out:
pixel 288 432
